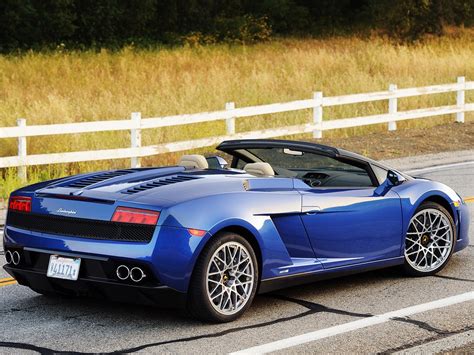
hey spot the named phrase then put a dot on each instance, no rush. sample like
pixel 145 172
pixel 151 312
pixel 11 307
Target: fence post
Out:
pixel 460 100
pixel 21 122
pixel 136 138
pixel 392 107
pixel 230 122
pixel 318 114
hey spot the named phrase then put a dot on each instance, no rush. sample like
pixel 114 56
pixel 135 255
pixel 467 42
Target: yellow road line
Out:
pixel 7 283
pixel 469 199
pixel 7 279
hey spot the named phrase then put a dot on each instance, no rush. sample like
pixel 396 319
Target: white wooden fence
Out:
pixel 136 124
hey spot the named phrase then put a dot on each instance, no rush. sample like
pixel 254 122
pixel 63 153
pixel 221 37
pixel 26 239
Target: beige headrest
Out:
pixel 259 169
pixel 193 161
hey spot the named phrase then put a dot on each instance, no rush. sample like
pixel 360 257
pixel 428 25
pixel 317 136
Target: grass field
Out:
pixel 86 86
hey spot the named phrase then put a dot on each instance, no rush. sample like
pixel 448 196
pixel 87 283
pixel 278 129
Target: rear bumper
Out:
pixel 161 296
pixel 169 258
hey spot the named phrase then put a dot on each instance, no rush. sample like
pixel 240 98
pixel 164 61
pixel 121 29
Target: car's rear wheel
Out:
pixel 225 279
pixel 430 240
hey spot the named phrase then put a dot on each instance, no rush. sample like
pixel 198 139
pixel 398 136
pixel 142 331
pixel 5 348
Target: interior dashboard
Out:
pixel 335 178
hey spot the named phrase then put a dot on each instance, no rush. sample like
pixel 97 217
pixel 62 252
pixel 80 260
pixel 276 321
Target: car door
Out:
pixel 347 219
pixel 352 225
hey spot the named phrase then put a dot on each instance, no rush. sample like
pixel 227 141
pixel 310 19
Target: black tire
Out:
pixel 198 304
pixel 425 206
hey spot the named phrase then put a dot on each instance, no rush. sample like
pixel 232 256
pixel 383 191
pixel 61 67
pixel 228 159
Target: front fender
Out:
pixel 414 193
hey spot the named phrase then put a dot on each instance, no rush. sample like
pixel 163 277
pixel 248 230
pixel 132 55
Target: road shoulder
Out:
pixel 431 160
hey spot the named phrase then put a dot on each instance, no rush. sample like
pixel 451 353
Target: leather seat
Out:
pixel 193 161
pixel 259 169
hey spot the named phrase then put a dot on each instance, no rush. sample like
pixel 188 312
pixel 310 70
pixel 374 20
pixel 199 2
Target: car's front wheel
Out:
pixel 430 240
pixel 225 279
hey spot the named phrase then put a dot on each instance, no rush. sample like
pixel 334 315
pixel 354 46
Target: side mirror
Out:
pixel 217 162
pixel 394 178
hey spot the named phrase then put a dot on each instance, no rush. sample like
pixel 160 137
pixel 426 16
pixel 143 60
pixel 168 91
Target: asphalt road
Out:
pixel 332 310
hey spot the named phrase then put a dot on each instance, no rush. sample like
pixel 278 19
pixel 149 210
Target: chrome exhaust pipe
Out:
pixel 123 272
pixel 137 274
pixel 15 258
pixel 8 257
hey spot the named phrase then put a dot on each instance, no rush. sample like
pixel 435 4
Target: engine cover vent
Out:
pixel 94 179
pixel 159 182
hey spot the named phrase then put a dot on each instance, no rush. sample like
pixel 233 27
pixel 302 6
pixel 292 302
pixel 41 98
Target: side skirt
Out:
pixel 277 283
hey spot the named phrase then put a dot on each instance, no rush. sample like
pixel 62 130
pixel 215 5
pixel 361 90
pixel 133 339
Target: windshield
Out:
pixel 298 160
pixel 313 168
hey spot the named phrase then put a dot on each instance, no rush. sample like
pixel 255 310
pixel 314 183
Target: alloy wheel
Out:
pixel 230 278
pixel 429 240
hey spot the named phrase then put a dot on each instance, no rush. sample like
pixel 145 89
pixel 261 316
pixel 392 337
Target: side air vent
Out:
pixel 91 180
pixel 159 182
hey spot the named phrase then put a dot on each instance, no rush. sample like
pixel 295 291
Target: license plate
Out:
pixel 63 268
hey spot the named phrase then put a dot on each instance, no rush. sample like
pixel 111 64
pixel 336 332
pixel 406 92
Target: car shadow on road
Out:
pixel 100 311
pixel 85 307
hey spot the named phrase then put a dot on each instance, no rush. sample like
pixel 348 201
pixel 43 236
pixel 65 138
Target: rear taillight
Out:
pixel 135 215
pixel 20 203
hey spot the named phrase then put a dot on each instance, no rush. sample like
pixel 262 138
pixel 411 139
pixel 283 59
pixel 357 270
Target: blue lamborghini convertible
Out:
pixel 207 235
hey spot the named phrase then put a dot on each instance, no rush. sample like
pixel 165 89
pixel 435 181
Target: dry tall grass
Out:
pixel 69 87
